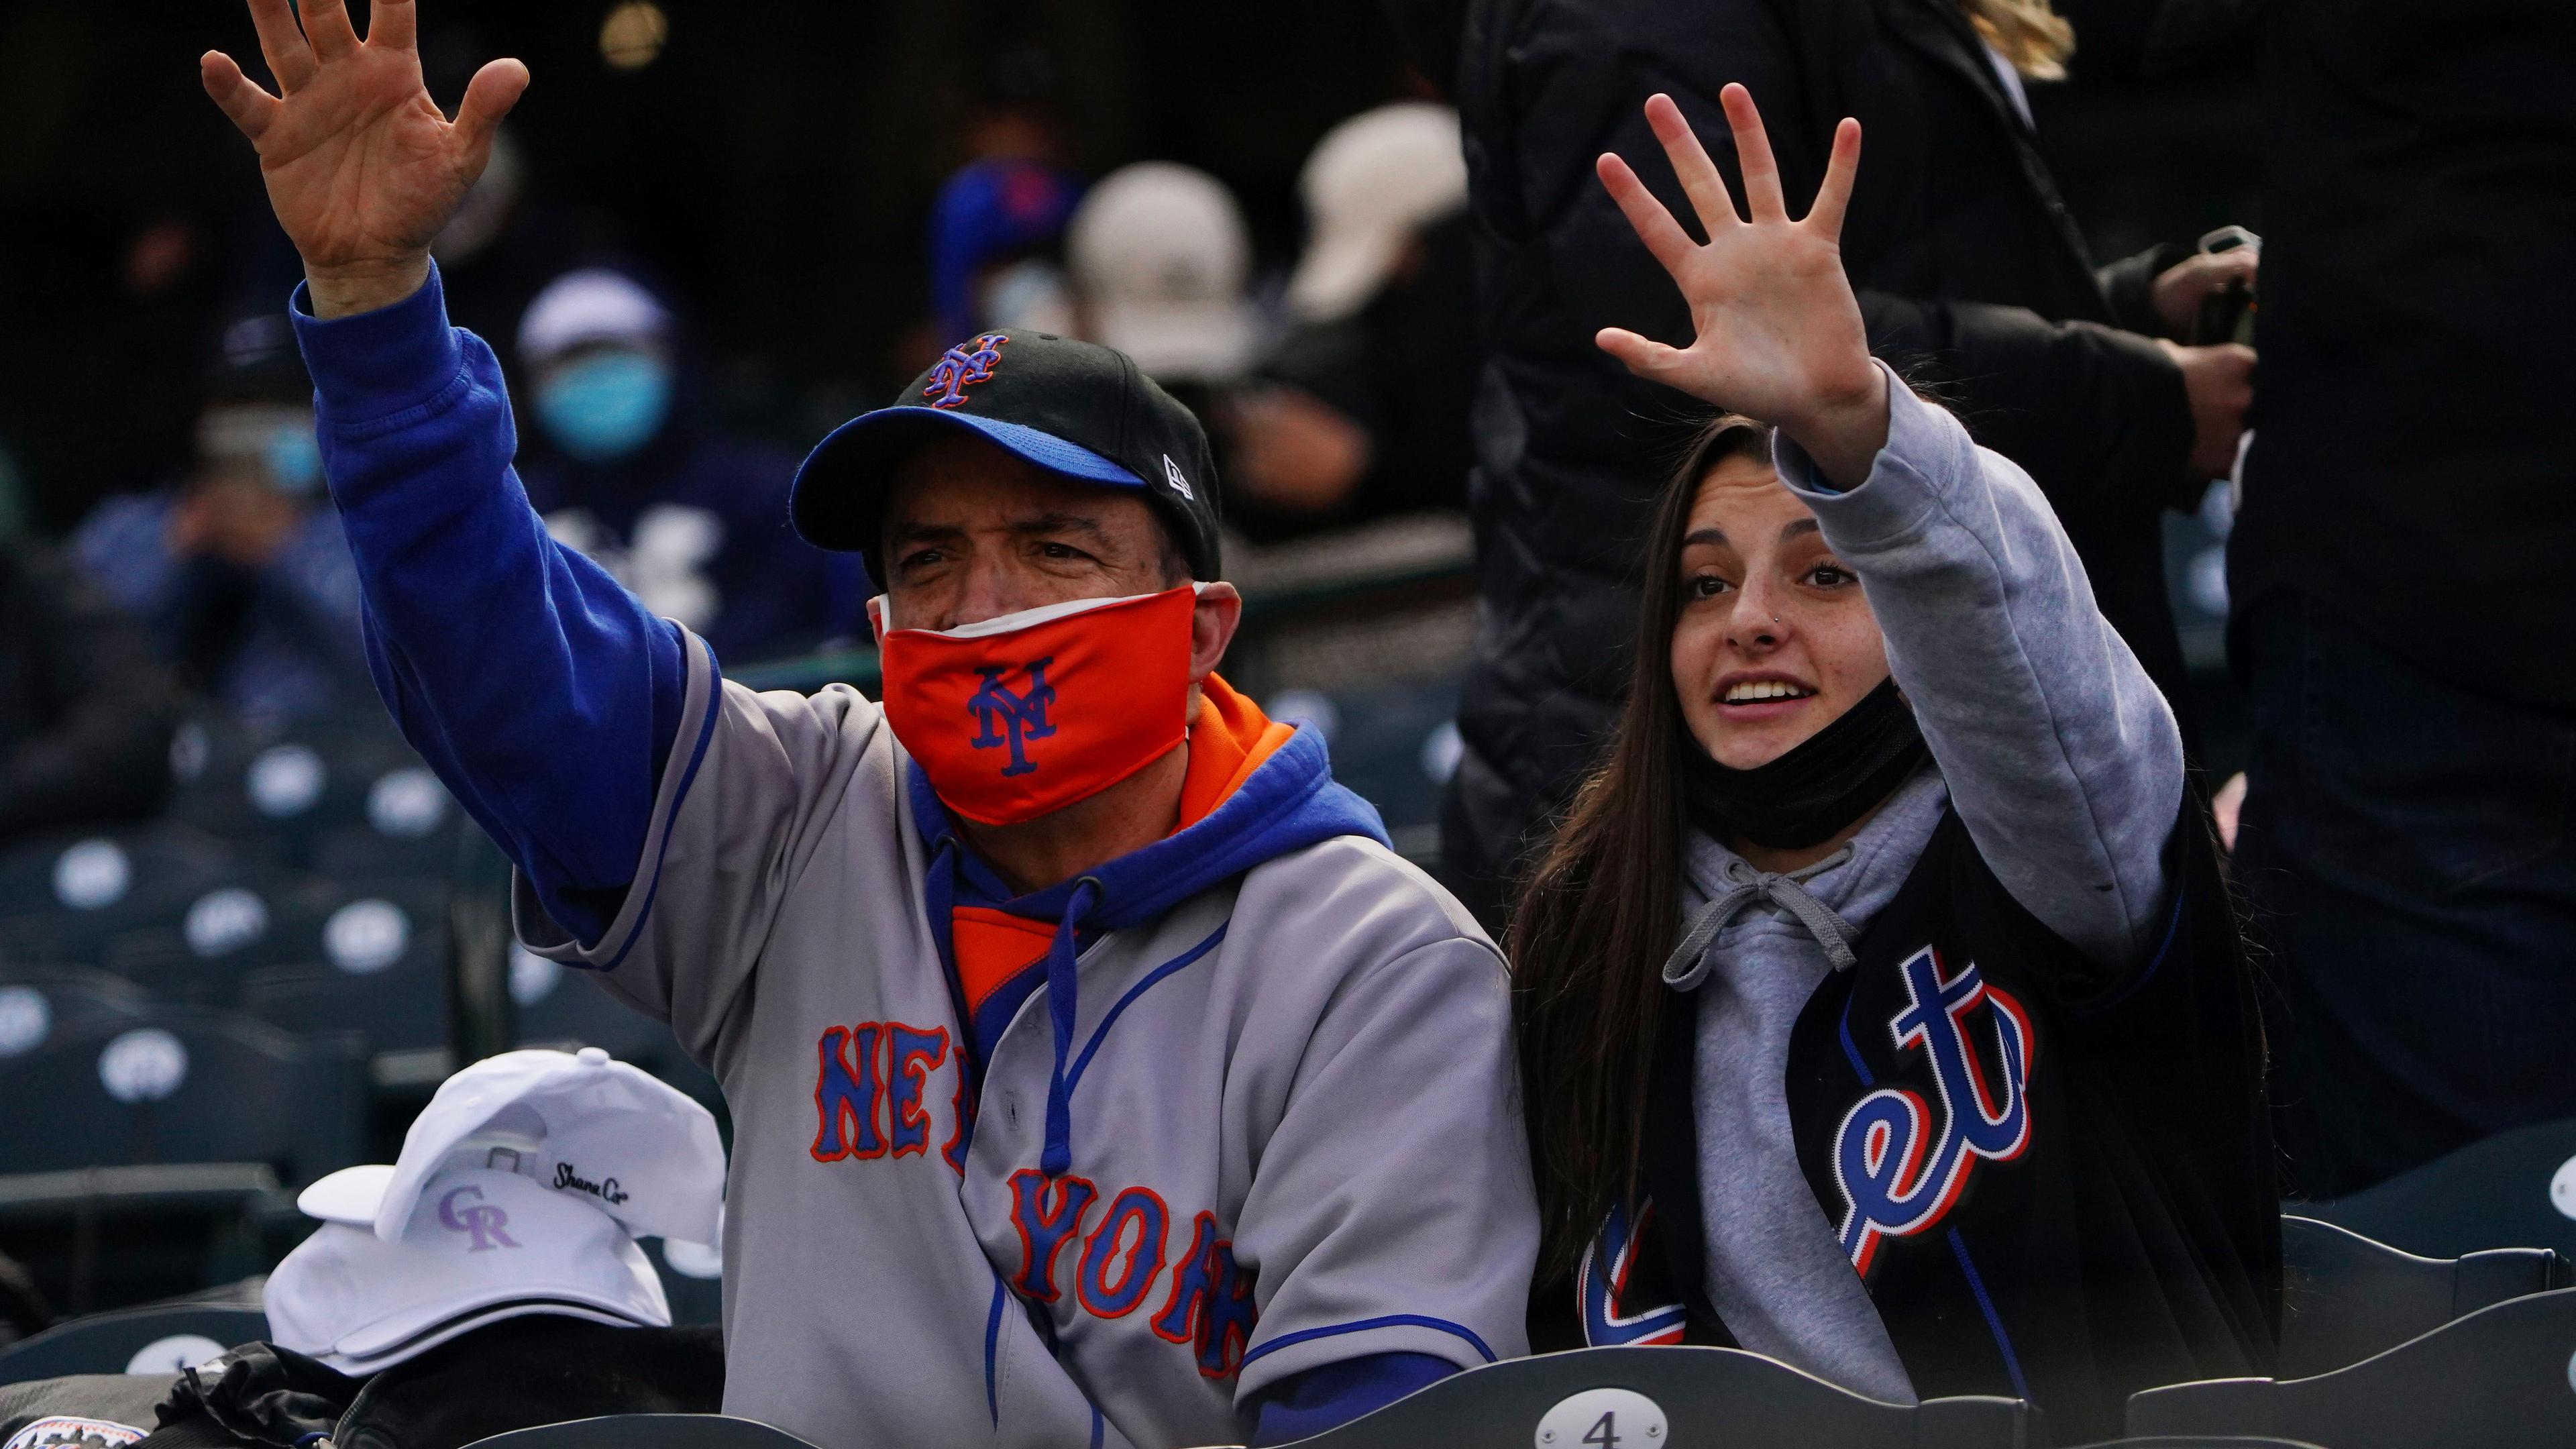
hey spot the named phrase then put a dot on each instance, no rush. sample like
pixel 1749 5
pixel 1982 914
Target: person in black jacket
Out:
pixel 1952 1083
pixel 2403 571
pixel 1972 277
pixel 86 708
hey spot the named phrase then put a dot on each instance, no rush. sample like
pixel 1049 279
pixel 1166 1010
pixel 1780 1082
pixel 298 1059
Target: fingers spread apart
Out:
pixel 237 95
pixel 1654 225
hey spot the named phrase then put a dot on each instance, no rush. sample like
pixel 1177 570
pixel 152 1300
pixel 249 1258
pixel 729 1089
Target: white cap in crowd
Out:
pixel 520 1189
pixel 483 1246
pixel 589 306
pixel 1371 185
pixel 1160 256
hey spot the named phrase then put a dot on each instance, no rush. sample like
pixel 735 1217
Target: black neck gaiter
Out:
pixel 1818 787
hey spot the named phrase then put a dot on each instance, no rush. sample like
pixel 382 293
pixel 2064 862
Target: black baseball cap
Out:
pixel 1076 409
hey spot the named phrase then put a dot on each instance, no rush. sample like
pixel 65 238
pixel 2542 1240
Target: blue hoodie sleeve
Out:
pixel 1332 1395
pixel 541 691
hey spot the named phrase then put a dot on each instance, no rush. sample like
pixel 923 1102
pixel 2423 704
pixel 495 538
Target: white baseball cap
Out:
pixel 1160 255
pixel 481 1245
pixel 1371 185
pixel 593 304
pixel 596 1130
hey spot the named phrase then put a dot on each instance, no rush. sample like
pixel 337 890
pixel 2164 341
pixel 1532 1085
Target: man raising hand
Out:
pixel 1099 1075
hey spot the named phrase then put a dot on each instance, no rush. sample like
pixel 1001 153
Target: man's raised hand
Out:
pixel 362 168
pixel 1779 333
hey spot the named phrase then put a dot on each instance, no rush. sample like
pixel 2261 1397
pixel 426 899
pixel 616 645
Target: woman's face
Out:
pixel 1775 640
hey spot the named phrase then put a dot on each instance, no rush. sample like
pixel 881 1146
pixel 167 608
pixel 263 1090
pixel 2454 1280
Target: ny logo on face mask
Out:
pixel 961 367
pixel 482 1219
pixel 1022 716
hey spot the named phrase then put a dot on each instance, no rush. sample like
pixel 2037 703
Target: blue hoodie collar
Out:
pixel 1290 802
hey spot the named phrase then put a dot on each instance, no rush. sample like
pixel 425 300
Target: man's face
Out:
pixel 973 532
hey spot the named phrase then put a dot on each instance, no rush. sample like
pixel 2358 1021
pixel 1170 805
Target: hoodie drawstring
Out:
pixel 1687 967
pixel 1058 1156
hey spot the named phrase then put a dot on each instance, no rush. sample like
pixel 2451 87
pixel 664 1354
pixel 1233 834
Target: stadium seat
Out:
pixel 647 1431
pixel 557 1007
pixel 2198 1441
pixel 2345 1297
pixel 137 1340
pixel 1684 1396
pixel 255 916
pixel 36 1002
pixel 63 898
pixel 278 794
pixel 183 1085
pixel 692 1277
pixel 2502 1378
pixel 2514 1190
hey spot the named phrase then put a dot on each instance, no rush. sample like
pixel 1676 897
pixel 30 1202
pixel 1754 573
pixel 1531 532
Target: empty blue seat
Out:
pixel 183 1085
pixel 648 1431
pixel 2503 1377
pixel 2345 1297
pixel 135 1340
pixel 1643 1397
pixel 2514 1190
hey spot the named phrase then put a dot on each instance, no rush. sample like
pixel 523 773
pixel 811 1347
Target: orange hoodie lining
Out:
pixel 1230 741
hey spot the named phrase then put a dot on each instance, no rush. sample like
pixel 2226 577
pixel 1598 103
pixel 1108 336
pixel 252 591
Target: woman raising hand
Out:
pixel 1881 1008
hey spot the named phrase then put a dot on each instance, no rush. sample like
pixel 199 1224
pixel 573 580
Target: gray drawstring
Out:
pixel 1688 965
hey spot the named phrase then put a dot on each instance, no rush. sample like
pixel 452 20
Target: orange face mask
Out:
pixel 1015 717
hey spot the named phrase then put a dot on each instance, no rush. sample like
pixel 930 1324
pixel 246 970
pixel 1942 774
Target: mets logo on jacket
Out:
pixel 1901 1161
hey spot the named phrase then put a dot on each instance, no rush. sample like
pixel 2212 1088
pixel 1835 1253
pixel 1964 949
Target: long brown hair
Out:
pixel 1603 908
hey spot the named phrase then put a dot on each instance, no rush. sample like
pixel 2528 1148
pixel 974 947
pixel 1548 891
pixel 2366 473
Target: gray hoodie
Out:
pixel 2057 753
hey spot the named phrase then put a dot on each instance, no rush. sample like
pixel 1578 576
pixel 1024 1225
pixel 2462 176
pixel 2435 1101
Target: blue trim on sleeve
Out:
pixel 1994 1321
pixel 1391 1320
pixel 679 797
pixel 1327 1396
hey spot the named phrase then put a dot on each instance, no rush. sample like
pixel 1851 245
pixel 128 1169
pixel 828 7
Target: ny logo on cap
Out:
pixel 1023 716
pixel 482 1219
pixel 961 367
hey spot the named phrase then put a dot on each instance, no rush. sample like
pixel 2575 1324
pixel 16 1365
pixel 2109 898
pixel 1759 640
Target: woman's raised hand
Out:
pixel 362 168
pixel 1779 333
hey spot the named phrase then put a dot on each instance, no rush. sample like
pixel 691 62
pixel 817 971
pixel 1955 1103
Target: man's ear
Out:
pixel 1212 624
pixel 876 618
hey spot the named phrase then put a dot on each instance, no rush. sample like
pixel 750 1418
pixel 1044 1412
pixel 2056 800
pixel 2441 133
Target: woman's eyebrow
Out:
pixel 1712 536
pixel 1796 526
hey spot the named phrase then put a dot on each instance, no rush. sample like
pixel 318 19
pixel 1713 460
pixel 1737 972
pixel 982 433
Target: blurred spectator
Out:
pixel 1970 274
pixel 86 708
pixel 2401 576
pixel 630 468
pixel 1360 411
pixel 241 570
pixel 1160 260
pixel 502 246
pixel 996 230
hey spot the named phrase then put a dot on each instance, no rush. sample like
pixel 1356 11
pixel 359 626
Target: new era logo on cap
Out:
pixel 1172 475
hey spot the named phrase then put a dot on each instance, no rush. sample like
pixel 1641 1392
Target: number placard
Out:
pixel 1603 1419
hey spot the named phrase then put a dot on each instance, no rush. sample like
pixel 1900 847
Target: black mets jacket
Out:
pixel 2052 1198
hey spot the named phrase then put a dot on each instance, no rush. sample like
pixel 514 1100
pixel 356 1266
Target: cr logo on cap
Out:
pixel 483 1220
pixel 961 367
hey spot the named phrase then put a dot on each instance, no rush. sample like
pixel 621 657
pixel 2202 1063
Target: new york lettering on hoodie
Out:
pixel 1256 1167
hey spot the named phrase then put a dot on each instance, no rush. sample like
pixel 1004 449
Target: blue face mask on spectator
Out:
pixel 293 459
pixel 604 407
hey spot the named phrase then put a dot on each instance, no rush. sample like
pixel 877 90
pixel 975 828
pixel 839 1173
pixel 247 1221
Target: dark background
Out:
pixel 773 165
